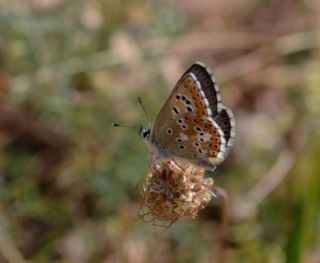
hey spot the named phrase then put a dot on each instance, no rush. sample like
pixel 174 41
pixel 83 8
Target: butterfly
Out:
pixel 193 125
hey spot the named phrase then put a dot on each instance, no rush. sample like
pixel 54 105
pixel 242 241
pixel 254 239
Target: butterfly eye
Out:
pixel 144 133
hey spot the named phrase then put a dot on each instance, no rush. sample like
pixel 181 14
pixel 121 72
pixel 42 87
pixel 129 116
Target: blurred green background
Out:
pixel 70 183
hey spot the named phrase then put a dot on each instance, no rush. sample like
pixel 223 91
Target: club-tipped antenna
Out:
pixel 145 111
pixel 127 126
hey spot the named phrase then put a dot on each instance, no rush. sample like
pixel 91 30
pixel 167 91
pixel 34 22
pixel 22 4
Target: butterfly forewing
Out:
pixel 208 85
pixel 185 98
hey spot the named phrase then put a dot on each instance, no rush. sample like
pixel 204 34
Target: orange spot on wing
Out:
pixel 208 125
pixel 200 107
pixel 213 131
pixel 213 146
pixel 198 120
pixel 211 155
pixel 188 117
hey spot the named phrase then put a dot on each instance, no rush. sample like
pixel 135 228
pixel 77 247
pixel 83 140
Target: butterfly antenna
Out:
pixel 145 111
pixel 128 126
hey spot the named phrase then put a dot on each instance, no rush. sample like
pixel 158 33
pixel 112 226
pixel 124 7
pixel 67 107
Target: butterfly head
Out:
pixel 144 133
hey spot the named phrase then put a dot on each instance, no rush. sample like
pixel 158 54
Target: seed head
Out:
pixel 174 191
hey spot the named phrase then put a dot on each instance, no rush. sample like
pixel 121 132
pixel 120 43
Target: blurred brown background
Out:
pixel 70 183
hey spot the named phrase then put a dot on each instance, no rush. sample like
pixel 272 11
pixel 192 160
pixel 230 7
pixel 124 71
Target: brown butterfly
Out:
pixel 193 124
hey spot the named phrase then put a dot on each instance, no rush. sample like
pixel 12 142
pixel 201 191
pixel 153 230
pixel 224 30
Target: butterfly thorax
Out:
pixel 157 151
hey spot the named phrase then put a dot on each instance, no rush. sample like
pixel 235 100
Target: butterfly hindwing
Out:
pixel 197 139
pixel 225 120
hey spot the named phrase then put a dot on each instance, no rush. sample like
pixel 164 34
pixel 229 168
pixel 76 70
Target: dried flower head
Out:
pixel 174 191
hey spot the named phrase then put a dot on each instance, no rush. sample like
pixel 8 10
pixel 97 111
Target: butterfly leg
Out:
pixel 176 163
pixel 207 165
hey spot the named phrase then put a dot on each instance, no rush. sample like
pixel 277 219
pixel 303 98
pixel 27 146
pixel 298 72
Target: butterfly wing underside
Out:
pixel 193 124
